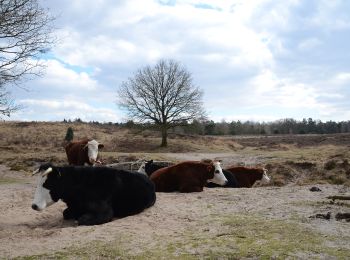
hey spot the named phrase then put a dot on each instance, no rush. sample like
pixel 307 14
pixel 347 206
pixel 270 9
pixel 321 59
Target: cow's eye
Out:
pixel 217 171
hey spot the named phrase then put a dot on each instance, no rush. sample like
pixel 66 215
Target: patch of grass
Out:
pixel 268 239
pixel 234 237
pixel 8 180
pixel 331 164
pixel 94 250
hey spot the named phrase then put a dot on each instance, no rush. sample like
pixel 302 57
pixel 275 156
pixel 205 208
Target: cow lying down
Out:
pixel 190 176
pixel 149 167
pixel 94 195
pixel 243 177
pixel 246 176
pixel 231 181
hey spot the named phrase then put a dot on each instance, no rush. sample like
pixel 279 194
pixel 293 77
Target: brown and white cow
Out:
pixel 189 176
pixel 83 152
pixel 246 177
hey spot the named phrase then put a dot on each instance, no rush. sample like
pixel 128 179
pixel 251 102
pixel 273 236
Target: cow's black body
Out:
pixel 94 195
pixel 151 167
pixel 232 181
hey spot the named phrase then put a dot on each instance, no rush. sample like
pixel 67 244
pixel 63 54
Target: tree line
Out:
pixel 209 127
pixel 282 126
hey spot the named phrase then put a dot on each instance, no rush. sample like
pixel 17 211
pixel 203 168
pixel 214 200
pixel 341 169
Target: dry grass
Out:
pixel 300 159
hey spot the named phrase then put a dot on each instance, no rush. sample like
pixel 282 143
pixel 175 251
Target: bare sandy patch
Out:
pixel 213 223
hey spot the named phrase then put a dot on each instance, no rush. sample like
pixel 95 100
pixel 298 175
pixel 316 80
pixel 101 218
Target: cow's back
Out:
pixel 180 177
pixel 166 179
pixel 129 192
pixel 246 177
pixel 151 167
pixel 76 153
pixel 137 192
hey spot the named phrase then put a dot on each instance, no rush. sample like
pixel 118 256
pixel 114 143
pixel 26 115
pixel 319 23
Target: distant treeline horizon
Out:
pixel 209 127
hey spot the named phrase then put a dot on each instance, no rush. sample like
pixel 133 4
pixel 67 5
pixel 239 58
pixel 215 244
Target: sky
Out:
pixel 260 60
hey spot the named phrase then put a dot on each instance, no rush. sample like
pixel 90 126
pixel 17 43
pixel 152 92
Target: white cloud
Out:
pixel 155 31
pixel 272 90
pixel 342 78
pixel 253 58
pixel 58 76
pixel 309 44
pixel 53 110
pixel 331 15
pixel 244 117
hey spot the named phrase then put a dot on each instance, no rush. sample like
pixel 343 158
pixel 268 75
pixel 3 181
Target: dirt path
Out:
pixel 191 224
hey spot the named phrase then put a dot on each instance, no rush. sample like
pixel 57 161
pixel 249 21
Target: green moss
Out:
pixel 267 239
pixel 8 180
pixel 234 237
pixel 94 250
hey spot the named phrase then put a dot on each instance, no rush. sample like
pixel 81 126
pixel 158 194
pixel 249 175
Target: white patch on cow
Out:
pixel 219 177
pixel 265 179
pixel 42 197
pixel 142 168
pixel 92 150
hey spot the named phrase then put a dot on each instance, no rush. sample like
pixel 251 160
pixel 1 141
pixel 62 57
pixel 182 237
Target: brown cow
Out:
pixel 246 177
pixel 187 176
pixel 83 151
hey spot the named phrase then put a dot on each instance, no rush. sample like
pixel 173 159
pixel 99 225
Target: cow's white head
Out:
pixel 265 179
pixel 92 147
pixel 219 177
pixel 43 196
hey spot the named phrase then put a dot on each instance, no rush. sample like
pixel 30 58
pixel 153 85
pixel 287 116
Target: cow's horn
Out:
pixel 47 171
pixel 35 172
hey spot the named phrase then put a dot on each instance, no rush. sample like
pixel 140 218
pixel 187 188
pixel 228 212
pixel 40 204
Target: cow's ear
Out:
pixel 210 168
pixel 100 146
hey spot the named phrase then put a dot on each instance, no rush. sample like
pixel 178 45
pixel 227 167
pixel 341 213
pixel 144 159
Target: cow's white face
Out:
pixel 93 147
pixel 142 168
pixel 219 177
pixel 42 197
pixel 265 179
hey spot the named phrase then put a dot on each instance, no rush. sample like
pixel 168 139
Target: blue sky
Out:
pixel 254 59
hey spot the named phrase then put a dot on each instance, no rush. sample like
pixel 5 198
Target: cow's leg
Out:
pixel 98 212
pixel 68 213
pixel 73 211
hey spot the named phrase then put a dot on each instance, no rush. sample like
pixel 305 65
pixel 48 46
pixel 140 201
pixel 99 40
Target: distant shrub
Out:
pixel 337 179
pixel 330 165
pixel 69 135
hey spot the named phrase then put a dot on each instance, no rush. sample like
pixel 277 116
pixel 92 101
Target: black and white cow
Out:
pixel 93 195
pixel 231 181
pixel 148 167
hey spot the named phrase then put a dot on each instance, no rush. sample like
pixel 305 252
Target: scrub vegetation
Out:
pixel 277 221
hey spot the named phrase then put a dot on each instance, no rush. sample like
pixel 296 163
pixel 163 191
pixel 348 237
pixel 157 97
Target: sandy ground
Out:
pixel 25 232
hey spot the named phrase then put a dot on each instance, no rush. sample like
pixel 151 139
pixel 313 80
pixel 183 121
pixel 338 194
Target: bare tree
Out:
pixel 163 94
pixel 25 33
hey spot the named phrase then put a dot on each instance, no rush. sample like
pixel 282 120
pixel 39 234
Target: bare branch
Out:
pixel 25 34
pixel 163 94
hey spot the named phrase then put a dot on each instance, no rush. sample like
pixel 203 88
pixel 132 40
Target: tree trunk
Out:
pixel 164 136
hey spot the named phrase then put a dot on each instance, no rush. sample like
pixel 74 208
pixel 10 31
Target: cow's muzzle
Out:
pixel 35 207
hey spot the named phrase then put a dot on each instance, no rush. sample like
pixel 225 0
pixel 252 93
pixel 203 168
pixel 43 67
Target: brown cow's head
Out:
pixel 92 148
pixel 219 177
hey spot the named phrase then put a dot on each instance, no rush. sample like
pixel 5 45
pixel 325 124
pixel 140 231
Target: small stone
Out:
pixel 315 189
